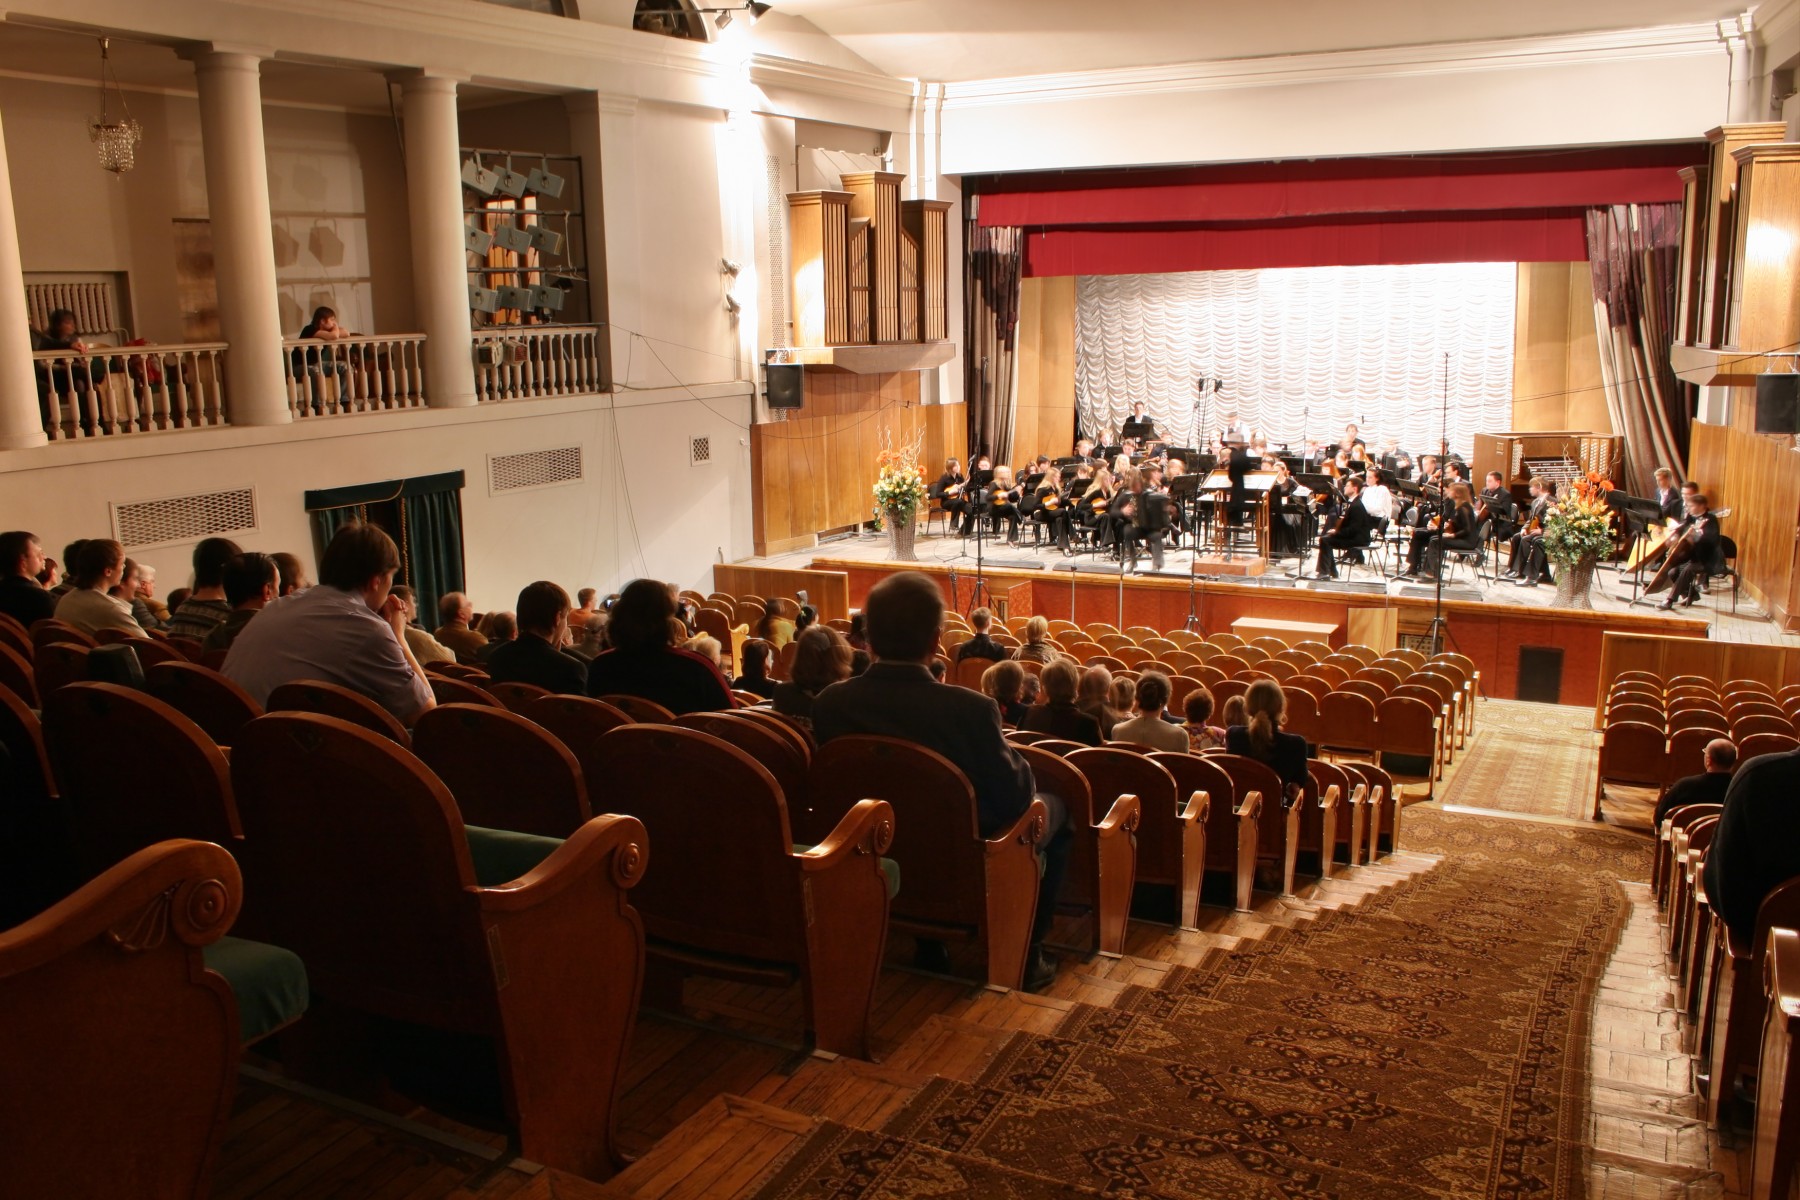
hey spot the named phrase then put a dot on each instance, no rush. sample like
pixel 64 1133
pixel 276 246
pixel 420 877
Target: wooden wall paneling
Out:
pixel 1556 356
pixel 1764 311
pixel 1721 220
pixel 1758 478
pixel 1696 209
pixel 1044 420
pixel 928 223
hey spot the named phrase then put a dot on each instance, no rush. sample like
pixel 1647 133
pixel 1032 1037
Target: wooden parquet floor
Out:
pixel 717 1099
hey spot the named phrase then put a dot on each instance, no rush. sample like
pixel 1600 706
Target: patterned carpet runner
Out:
pixel 1534 759
pixel 1431 1042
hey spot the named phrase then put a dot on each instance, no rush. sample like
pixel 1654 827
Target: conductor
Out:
pixel 1235 439
pixel 1139 425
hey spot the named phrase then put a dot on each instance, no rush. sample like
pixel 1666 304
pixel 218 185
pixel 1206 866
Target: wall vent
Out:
pixel 534 469
pixel 140 524
pixel 699 451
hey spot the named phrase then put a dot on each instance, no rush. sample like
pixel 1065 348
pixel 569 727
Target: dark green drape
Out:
pixel 327 521
pixel 434 548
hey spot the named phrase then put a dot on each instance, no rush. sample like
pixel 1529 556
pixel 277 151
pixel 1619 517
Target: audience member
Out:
pixel 1028 695
pixel 821 658
pixel 293 572
pixel 1005 682
pixel 859 662
pixel 707 647
pixel 1057 714
pixel 1095 699
pixel 89 606
pixel 587 604
pixel 592 636
pixel 535 656
pixel 982 645
pixel 51 575
pixel 896 698
pixel 758 658
pixel 775 626
pixel 1717 761
pixel 1037 647
pixel 251 581
pixel 455 631
pixel 1261 738
pixel 71 552
pixel 1148 728
pixel 1120 697
pixel 22 597
pixel 858 636
pixel 425 648
pixel 349 630
pixel 1233 712
pixel 645 661
pixel 805 619
pixel 1756 845
pixel 498 628
pixel 206 605
pixel 1197 708
pixel 148 611
pixel 937 669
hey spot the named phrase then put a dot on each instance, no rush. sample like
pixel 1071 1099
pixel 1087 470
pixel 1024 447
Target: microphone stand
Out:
pixel 1438 628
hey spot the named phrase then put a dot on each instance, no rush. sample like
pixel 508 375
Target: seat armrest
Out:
pixel 589 847
pixel 1251 805
pixel 1329 800
pixel 1030 829
pixel 868 828
pixel 1127 811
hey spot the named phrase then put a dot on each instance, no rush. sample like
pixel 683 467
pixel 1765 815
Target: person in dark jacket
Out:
pixel 1709 787
pixel 22 597
pixel 982 645
pixel 1057 715
pixel 898 698
pixel 1349 532
pixel 645 662
pixel 536 655
pixel 758 656
pixel 821 658
pixel 1756 846
pixel 1261 738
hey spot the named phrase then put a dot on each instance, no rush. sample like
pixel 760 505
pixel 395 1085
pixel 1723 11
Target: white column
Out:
pixel 237 197
pixel 434 203
pixel 21 422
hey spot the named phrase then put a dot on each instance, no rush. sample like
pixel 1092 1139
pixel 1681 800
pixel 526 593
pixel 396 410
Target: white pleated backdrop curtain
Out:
pixel 1305 349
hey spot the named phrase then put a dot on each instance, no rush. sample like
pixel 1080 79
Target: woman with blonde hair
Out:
pixel 1261 738
pixel 1037 647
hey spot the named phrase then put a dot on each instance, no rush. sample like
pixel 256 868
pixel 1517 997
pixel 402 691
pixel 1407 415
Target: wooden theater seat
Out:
pixel 16 675
pixel 1630 752
pixel 1349 827
pixel 1347 725
pixel 517 697
pixel 133 772
pixel 1674 821
pixel 330 700
pixel 783 757
pixel 1775 1148
pixel 1411 736
pixel 120 1030
pixel 1227 838
pixel 205 697
pixel 733 895
pixel 1277 828
pixel 1735 1005
pixel 1103 858
pixel 525 947
pixel 643 711
pixel 504 771
pixel 957 885
pixel 448 689
pixel 37 866
pixel 1384 805
pixel 57 664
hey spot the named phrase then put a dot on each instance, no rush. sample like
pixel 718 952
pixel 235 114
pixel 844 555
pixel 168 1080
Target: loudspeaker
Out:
pixel 1540 674
pixel 1778 403
pixel 786 385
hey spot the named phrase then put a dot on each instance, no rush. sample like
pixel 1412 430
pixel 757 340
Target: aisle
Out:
pixel 1535 760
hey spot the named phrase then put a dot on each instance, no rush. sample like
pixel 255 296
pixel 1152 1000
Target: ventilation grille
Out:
pixel 534 469
pixel 699 451
pixel 143 523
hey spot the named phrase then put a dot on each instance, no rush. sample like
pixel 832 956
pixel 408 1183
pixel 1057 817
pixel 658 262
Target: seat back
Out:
pixel 1333 675
pixel 1643 714
pixel 331 700
pixel 133 772
pixel 56 664
pixel 16 675
pixel 1308 682
pixel 363 870
pixel 518 697
pixel 720 829
pixel 205 697
pixel 504 771
pixel 15 635
pixel 1743 727
pixel 456 670
pixel 1247 775
pixel 1766 743
pixel 1347 721
pixel 1687 718
pixel 646 712
pixel 1405 726
pixel 1112 772
pixel 50 630
pixel 150 652
pixel 1192 773
pixel 448 689
pixel 1633 752
pixel 121 1049
pixel 969 671
pixel 1302 710
pixel 1686 751
pixel 1380 676
pixel 782 758
pixel 937 840
pixel 1374 693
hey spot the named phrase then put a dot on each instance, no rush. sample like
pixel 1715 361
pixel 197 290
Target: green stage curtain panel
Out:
pixel 990 360
pixel 1634 253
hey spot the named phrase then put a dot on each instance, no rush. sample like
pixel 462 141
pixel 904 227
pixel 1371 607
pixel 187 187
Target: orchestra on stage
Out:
pixel 1319 507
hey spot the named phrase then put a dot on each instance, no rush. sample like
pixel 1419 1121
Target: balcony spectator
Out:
pixel 206 605
pixel 425 648
pixel 251 581
pixel 68 379
pixel 457 613
pixel 347 631
pixel 316 364
pixel 90 606
pixel 22 597
pixel 536 656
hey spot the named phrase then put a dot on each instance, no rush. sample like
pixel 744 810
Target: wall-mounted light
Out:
pixel 754 9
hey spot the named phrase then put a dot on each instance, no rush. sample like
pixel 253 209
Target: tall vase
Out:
pixel 1573 583
pixel 900 530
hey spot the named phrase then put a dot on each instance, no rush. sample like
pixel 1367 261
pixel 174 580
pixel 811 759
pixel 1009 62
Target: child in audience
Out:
pixel 1234 712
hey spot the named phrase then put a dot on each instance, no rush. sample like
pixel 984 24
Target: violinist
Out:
pixel 1496 503
pixel 949 489
pixel 1698 533
pixel 1004 504
pixel 1458 531
pixel 1338 465
pixel 1526 562
pixel 1349 531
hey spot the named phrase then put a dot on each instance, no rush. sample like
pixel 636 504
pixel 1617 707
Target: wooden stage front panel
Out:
pixel 1491 634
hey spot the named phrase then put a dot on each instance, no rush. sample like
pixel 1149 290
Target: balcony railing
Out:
pixel 107 391
pixel 531 361
pixel 380 373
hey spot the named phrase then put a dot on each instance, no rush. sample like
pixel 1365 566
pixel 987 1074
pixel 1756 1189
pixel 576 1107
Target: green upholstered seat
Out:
pixel 890 871
pixel 501 856
pixel 269 983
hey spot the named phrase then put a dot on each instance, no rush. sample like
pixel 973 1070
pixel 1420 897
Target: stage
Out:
pixel 1524 648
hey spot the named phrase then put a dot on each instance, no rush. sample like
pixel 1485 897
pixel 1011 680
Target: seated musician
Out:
pixel 1338 465
pixel 1148 521
pixel 949 489
pixel 1139 427
pixel 1525 560
pixel 1049 507
pixel 1003 504
pixel 1459 531
pixel 1670 503
pixel 1118 515
pixel 1096 499
pixel 1285 528
pixel 1699 533
pixel 1496 503
pixel 1349 531
pixel 1084 448
pixel 974 504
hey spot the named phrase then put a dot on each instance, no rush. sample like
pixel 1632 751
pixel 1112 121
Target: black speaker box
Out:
pixel 786 385
pixel 1778 404
pixel 1540 674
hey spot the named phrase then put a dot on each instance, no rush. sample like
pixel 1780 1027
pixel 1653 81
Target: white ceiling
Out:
pixel 957 40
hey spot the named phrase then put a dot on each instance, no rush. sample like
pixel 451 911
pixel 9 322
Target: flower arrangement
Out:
pixel 900 480
pixel 1579 528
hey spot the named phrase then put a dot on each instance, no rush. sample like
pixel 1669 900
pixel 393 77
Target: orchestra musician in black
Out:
pixel 1457 531
pixel 1285 516
pixel 1148 519
pixel 1052 508
pixel 1349 530
pixel 1003 503
pixel 1698 531
pixel 1095 499
pixel 1496 503
pixel 973 505
pixel 1138 427
pixel 1117 518
pixel 1526 560
pixel 1234 440
pixel 948 490
pixel 1670 503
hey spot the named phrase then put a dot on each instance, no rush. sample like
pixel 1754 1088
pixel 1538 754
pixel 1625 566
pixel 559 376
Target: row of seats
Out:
pixel 1653 731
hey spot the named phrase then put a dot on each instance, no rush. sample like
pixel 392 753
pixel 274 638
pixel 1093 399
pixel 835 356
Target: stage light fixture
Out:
pixel 544 183
pixel 476 176
pixel 511 237
pixel 546 239
pixel 724 16
pixel 549 299
pixel 477 241
pixel 515 297
pixel 482 299
pixel 512 183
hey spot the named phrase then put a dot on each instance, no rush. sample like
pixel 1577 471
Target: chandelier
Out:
pixel 115 139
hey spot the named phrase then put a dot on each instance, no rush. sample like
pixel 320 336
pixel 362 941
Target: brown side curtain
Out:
pixel 1634 253
pixel 991 287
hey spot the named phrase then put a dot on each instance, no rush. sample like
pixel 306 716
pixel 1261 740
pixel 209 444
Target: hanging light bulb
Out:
pixel 115 139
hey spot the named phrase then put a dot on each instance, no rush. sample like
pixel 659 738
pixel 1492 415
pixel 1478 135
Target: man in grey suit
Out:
pixel 898 698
